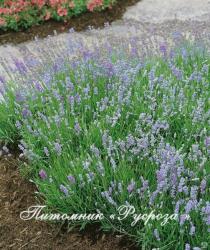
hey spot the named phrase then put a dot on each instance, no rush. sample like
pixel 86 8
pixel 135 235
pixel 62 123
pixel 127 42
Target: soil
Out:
pixel 16 195
pixel 79 23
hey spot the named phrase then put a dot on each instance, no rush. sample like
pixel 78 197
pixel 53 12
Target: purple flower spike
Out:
pixel 19 97
pixel 26 113
pixel 187 246
pixel 18 125
pixel 156 234
pixel 203 186
pixel 77 128
pixel 71 179
pixel 64 190
pixel 20 66
pixel 183 218
pixel 2 79
pixel 58 148
pixel 38 87
pixel 192 230
pixel 5 149
pixel 207 141
pixel 43 174
pixel 131 186
pixel 46 151
pixel 163 49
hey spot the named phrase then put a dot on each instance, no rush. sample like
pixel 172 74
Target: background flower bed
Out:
pixel 114 126
pixel 22 14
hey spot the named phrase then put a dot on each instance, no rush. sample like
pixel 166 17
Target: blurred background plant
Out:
pixel 22 14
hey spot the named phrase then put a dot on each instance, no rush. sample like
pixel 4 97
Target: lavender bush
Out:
pixel 115 127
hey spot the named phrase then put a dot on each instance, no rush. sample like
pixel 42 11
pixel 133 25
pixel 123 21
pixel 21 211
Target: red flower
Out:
pixel 53 3
pixel 62 11
pixel 92 4
pixel 5 11
pixel 47 16
pixel 2 21
pixel 39 3
pixel 71 5
pixel 17 18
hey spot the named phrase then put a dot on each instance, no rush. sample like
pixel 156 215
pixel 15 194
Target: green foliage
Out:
pixel 22 14
pixel 108 130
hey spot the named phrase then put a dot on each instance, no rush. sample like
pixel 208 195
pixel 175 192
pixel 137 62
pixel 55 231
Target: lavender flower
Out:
pixel 95 151
pixel 18 125
pixel 108 198
pixel 100 169
pixel 64 190
pixel 187 246
pixel 77 128
pixel 58 148
pixel 163 49
pixel 26 113
pixel 177 72
pixel 178 204
pixel 21 68
pixel 191 204
pixel 21 147
pixel 144 188
pixel 69 84
pixel 194 192
pixel 43 174
pixel 207 141
pixel 130 141
pixel 120 189
pixel 113 163
pixel 156 234
pixel 86 165
pixel 5 149
pixel 46 151
pixel 38 87
pixel 95 91
pixel 2 79
pixel 203 186
pixel 192 230
pixel 90 176
pixel 71 178
pixel 131 186
pixel 71 100
pixel 183 218
pixel 19 97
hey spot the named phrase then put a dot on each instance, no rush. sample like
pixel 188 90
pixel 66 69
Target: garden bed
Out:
pixel 122 126
pixel 79 23
pixel 16 195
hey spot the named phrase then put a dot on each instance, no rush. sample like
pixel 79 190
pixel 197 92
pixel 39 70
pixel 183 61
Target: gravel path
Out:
pixel 158 11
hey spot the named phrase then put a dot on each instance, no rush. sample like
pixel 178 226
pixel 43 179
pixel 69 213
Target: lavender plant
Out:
pixel 113 127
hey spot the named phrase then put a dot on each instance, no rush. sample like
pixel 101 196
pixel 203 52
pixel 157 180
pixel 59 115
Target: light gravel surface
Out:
pixel 158 11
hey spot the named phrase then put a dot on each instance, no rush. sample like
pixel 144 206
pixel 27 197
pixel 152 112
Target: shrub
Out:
pixel 25 13
pixel 110 128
